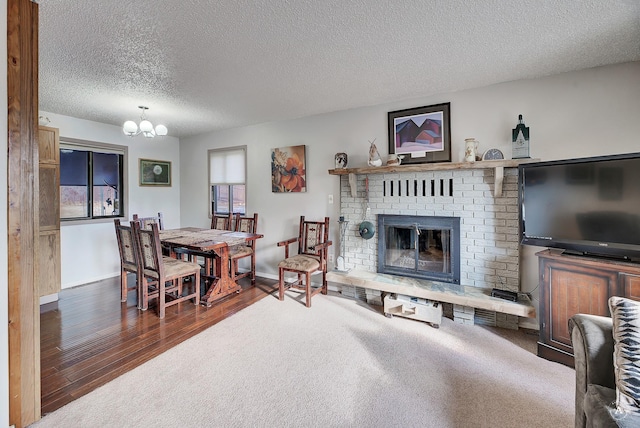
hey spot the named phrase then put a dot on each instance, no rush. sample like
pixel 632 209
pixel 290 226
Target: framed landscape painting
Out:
pixel 155 173
pixel 288 169
pixel 421 134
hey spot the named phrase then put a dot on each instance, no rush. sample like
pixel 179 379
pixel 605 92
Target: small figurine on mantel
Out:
pixel 374 156
pixel 341 160
pixel 520 140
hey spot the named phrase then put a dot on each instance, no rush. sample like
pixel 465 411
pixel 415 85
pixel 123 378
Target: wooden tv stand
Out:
pixel 577 284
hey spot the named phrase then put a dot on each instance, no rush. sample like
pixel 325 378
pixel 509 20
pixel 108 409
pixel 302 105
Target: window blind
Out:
pixel 227 166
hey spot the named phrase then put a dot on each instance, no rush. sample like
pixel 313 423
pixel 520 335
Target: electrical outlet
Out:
pixel 330 199
pixel 330 257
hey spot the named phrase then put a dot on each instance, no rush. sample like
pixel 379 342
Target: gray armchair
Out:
pixel 592 338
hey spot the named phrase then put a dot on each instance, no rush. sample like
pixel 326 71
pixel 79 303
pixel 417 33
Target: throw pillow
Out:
pixel 625 314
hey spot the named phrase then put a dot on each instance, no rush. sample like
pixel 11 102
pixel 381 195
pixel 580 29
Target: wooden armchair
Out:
pixel 128 258
pixel 313 242
pixel 157 270
pixel 247 225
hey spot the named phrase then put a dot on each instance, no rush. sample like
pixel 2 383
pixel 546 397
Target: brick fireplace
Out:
pixel 489 248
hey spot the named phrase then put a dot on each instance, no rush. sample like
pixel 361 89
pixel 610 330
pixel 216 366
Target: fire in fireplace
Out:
pixel 424 247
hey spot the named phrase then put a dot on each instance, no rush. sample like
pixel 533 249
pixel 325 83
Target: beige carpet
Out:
pixel 337 364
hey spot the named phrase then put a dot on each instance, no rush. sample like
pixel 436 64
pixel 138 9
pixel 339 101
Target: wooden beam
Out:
pixel 22 212
pixel 441 166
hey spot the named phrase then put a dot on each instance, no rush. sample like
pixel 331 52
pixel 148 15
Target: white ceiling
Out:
pixel 207 65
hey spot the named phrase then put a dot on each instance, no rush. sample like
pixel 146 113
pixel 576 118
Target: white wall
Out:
pixel 4 274
pixel 90 251
pixel 585 113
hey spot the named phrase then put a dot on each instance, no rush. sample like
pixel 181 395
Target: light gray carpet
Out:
pixel 337 364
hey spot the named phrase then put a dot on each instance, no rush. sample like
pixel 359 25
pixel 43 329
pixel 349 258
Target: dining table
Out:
pixel 218 243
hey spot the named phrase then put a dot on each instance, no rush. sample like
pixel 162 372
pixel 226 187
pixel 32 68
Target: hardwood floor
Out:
pixel 89 337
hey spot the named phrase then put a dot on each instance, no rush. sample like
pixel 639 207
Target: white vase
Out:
pixel 470 149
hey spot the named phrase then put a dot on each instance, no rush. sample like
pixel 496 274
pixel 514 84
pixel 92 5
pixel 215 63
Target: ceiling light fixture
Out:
pixel 145 128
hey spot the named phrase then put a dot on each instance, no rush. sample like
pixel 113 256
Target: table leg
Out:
pixel 222 285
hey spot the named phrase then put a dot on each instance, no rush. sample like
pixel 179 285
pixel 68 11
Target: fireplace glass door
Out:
pixel 418 249
pixel 415 248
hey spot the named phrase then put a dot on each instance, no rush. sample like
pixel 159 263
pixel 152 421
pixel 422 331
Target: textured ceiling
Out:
pixel 208 65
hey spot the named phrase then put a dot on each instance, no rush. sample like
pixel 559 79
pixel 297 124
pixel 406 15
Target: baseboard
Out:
pixel 90 280
pixel 49 299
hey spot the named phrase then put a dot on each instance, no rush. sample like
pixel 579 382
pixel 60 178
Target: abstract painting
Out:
pixel 421 134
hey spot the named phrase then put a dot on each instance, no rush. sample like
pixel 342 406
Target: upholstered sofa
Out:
pixel 593 345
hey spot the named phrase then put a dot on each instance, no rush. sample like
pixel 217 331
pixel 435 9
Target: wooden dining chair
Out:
pixel 146 222
pixel 219 222
pixel 313 242
pixel 222 222
pixel 237 252
pixel 158 270
pixel 128 258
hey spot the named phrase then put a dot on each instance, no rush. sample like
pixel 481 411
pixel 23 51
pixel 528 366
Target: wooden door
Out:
pixel 49 281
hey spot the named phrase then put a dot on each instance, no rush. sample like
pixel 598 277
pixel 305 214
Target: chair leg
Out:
pixel 308 289
pixel 324 283
pixel 161 298
pixel 144 295
pixel 234 269
pixel 253 269
pixel 123 286
pixel 196 284
pixel 281 284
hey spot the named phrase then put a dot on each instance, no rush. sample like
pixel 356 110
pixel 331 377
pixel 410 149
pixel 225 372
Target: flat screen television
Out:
pixel 587 206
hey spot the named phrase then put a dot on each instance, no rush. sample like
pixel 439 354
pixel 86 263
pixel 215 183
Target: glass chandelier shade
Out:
pixel 145 128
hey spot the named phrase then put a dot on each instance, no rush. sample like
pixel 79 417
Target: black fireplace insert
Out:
pixel 425 247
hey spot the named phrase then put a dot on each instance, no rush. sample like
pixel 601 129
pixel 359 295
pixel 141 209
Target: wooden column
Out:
pixel 22 212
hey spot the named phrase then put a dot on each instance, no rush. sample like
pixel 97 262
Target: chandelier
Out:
pixel 145 128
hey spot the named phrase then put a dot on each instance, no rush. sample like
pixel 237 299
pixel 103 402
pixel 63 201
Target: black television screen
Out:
pixel 587 206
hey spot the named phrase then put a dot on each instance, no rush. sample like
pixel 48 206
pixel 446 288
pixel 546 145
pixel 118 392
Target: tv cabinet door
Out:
pixel 571 289
pixel 571 285
pixel 631 286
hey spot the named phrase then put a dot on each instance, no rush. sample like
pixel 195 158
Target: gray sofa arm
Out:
pixel 592 339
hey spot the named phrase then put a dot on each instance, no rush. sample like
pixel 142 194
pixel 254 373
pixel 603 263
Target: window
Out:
pixel 91 181
pixel 227 177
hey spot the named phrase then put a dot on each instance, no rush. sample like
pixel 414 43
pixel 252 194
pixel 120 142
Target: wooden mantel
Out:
pixel 497 165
